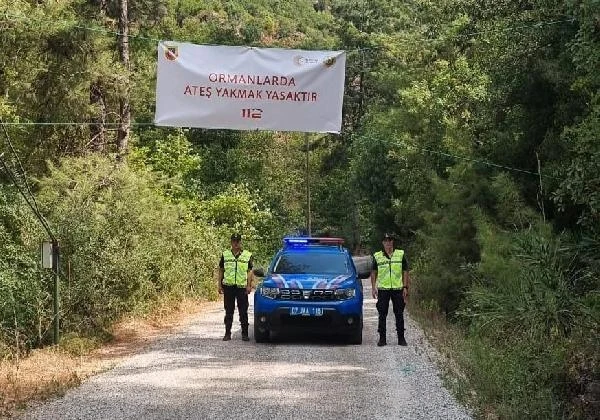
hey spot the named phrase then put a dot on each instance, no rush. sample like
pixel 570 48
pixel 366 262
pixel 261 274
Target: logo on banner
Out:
pixel 330 61
pixel 302 61
pixel 171 53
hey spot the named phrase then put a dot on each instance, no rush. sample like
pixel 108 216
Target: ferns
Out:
pixel 538 300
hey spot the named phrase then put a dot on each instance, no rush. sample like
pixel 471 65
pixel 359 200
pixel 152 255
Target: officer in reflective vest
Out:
pixel 235 283
pixel 390 281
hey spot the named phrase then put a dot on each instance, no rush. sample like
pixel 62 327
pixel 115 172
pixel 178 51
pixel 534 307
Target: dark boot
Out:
pixel 402 340
pixel 382 342
pixel 245 337
pixel 245 334
pixel 227 335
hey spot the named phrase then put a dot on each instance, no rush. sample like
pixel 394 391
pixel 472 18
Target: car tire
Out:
pixel 356 337
pixel 260 336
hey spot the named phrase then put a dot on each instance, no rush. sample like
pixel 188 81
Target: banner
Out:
pixel 247 88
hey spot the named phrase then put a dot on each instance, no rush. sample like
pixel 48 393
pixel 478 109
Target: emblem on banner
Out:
pixel 302 61
pixel 330 61
pixel 171 53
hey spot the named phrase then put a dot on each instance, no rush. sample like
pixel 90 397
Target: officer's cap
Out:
pixel 236 237
pixel 388 236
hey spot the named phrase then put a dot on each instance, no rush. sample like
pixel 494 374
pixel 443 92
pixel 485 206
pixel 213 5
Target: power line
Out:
pixel 12 18
pixel 480 161
pixel 536 24
pixel 16 155
pixel 31 123
pixel 12 177
pixel 483 162
pixel 513 28
pixel 492 164
pixel 30 200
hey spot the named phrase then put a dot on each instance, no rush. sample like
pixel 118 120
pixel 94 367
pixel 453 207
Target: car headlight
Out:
pixel 345 293
pixel 269 292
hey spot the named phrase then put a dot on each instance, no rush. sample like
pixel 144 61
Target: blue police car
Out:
pixel 312 285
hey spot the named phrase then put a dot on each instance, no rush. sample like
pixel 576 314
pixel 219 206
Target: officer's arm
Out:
pixel 221 274
pixel 249 278
pixel 250 274
pixel 373 278
pixel 405 275
pixel 373 283
pixel 373 273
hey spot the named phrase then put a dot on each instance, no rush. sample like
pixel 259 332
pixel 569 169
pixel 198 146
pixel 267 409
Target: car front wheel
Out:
pixel 260 336
pixel 356 336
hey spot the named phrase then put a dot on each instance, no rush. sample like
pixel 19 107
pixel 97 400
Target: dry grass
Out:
pixel 448 341
pixel 51 371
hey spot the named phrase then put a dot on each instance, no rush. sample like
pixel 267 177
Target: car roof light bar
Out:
pixel 312 240
pixel 296 240
pixel 331 241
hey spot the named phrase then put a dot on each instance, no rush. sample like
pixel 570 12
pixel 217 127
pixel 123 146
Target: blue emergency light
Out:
pixel 300 241
pixel 295 240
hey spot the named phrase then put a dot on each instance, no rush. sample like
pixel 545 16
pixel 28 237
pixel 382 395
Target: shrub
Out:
pixel 124 245
pixel 24 286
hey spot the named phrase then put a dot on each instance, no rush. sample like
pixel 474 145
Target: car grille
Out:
pixel 306 321
pixel 307 294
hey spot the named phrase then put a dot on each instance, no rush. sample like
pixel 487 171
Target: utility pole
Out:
pixel 308 224
pixel 56 290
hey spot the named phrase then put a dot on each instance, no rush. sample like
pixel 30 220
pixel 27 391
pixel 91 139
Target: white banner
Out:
pixel 247 88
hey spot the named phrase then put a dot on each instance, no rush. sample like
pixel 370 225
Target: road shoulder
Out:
pixel 49 372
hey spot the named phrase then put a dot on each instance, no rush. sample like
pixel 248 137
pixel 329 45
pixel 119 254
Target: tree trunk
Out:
pixel 98 127
pixel 124 107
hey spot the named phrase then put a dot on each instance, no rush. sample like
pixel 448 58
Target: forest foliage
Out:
pixel 470 129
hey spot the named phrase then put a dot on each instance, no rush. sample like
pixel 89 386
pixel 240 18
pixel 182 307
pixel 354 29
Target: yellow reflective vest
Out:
pixel 235 269
pixel 389 270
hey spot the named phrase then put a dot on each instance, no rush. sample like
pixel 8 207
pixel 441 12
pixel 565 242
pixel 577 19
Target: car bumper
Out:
pixel 331 321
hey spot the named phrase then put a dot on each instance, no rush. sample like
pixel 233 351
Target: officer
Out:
pixel 390 281
pixel 235 283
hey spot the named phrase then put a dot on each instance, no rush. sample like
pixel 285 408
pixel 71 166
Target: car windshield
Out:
pixel 311 263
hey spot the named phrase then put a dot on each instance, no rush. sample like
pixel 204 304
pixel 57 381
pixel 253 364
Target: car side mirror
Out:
pixel 363 265
pixel 258 272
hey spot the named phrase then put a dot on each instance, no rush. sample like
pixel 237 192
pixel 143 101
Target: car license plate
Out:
pixel 306 311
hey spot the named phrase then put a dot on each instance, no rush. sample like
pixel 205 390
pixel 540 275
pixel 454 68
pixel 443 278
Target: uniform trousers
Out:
pixel 383 303
pixel 231 294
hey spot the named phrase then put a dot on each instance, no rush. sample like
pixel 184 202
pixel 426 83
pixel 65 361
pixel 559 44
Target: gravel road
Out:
pixel 192 374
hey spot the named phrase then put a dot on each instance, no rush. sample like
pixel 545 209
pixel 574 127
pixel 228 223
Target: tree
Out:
pixel 124 106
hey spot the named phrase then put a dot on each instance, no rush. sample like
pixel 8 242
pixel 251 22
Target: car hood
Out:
pixel 309 281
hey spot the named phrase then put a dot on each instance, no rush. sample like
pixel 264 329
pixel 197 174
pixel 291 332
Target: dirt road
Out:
pixel 192 374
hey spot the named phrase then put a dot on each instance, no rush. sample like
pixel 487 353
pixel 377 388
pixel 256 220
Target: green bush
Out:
pixel 528 350
pixel 127 244
pixel 238 210
pixel 527 299
pixel 24 286
pixel 78 346
pixel 522 380
pixel 529 294
pixel 124 245
pixel 446 246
